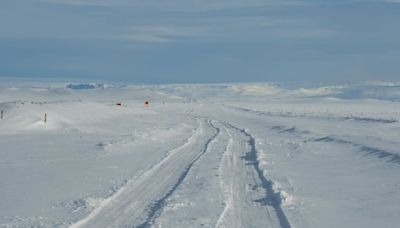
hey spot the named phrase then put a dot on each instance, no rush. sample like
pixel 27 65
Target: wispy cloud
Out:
pixel 162 34
pixel 181 4
pixel 223 29
pixel 391 1
pixel 205 4
pixel 305 33
pixel 81 2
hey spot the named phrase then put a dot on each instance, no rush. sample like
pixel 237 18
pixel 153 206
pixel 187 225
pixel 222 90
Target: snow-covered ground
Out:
pixel 232 155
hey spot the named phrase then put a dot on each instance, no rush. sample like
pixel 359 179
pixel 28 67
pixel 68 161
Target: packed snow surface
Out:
pixel 222 155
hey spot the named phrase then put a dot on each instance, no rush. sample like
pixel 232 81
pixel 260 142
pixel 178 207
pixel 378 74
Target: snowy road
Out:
pixel 248 196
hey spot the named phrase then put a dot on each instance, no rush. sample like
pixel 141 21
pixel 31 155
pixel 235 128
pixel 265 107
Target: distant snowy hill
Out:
pixel 381 91
pixel 87 86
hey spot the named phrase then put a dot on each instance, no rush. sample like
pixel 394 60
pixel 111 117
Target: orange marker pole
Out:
pixel 45 117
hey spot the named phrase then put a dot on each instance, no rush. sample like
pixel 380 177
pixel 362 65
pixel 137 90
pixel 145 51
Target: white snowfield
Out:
pixel 232 155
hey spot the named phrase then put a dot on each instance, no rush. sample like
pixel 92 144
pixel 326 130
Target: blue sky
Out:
pixel 200 41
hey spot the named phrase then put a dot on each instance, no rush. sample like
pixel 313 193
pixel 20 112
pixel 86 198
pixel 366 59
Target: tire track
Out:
pixel 229 191
pixel 198 201
pixel 139 202
pixel 249 194
pixel 159 204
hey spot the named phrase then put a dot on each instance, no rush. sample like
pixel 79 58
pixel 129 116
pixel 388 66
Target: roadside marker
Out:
pixel 45 117
pixel 2 114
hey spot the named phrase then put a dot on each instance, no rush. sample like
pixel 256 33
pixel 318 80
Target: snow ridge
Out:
pixel 289 114
pixel 391 156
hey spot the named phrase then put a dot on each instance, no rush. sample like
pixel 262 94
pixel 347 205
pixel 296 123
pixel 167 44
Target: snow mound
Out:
pixel 318 91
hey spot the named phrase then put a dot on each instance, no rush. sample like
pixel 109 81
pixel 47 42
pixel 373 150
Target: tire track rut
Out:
pixel 249 194
pixel 159 204
pixel 138 203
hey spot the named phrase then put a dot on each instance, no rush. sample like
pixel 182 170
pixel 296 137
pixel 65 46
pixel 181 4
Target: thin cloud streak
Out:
pixel 162 34
pixel 191 5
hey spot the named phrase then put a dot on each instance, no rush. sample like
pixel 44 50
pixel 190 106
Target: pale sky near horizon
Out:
pixel 192 41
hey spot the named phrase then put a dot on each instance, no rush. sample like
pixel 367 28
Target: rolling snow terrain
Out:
pixel 221 155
